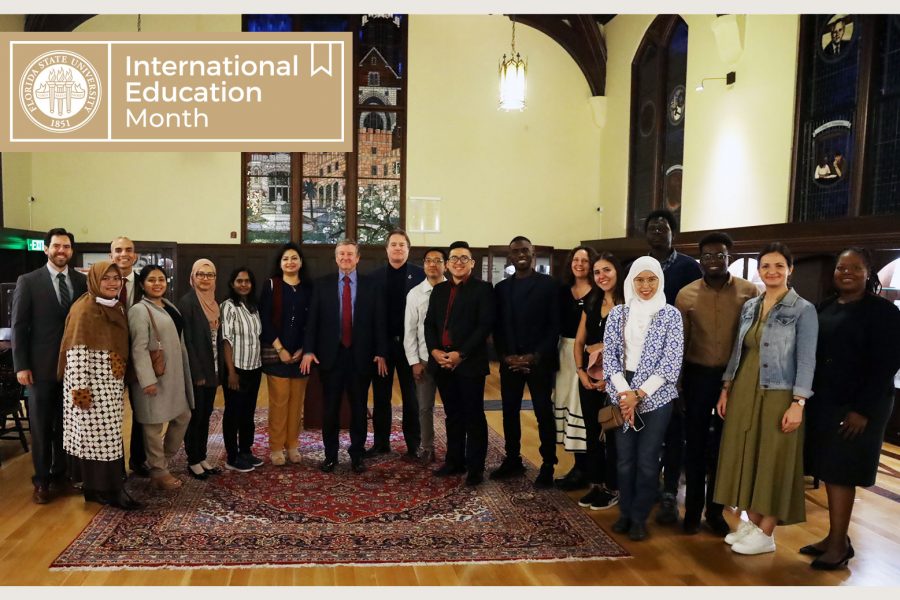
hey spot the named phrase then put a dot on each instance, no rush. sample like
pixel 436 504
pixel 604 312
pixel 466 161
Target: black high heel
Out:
pixel 811 550
pixel 821 565
pixel 201 476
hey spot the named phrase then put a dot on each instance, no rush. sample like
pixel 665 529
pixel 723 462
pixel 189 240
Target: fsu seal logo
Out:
pixel 60 91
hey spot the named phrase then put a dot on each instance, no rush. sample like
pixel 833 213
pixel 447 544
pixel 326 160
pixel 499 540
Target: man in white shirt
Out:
pixel 417 353
pixel 121 252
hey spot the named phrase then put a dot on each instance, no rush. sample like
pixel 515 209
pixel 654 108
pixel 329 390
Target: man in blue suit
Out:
pixel 40 305
pixel 395 280
pixel 346 337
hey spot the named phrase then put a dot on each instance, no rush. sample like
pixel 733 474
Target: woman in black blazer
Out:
pixel 201 326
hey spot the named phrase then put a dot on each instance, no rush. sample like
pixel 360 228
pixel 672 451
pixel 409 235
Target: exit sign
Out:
pixel 35 245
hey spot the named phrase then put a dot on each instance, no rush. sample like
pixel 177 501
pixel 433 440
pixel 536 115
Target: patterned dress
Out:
pixel 94 435
pixel 570 430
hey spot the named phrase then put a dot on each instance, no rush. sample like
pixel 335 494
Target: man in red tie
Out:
pixel 347 337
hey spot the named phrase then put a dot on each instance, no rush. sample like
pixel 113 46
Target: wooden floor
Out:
pixel 31 536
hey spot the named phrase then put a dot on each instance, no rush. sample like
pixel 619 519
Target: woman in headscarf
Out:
pixel 643 346
pixel 92 361
pixel 201 326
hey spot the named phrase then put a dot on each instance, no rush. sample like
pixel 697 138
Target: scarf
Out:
pixel 207 298
pixel 93 322
pixel 640 311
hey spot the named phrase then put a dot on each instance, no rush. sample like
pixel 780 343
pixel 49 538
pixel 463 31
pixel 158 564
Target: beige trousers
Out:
pixel 286 396
pixel 161 448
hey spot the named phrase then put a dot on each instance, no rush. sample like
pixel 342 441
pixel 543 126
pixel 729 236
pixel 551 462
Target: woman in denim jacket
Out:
pixel 643 346
pixel 765 388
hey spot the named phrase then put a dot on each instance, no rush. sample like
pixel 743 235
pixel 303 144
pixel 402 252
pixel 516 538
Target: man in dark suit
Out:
pixel 121 252
pixel 836 45
pixel 459 320
pixel 347 338
pixel 40 305
pixel 526 334
pixel 395 280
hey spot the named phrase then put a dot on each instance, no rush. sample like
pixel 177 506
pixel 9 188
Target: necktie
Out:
pixel 123 293
pixel 65 296
pixel 346 314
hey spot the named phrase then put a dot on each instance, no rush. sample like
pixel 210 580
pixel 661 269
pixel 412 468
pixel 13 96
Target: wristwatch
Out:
pixel 800 401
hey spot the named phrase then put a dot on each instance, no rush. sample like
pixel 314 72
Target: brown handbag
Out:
pixel 610 417
pixel 157 358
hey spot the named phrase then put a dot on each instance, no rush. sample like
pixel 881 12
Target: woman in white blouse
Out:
pixel 241 327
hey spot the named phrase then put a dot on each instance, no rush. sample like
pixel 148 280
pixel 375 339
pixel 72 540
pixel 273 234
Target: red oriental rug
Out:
pixel 295 515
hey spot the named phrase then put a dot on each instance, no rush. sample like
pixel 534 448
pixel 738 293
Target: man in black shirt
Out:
pixel 395 280
pixel 526 333
pixel 459 320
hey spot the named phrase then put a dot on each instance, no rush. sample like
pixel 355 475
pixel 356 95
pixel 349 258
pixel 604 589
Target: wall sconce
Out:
pixel 512 77
pixel 729 80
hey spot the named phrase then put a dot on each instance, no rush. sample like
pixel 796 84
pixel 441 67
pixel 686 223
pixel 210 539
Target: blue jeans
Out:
pixel 638 464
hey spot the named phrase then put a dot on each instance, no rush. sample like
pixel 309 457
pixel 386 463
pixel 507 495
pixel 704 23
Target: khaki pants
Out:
pixel 285 411
pixel 160 449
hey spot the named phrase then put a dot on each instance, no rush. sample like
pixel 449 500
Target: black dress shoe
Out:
pixel 474 478
pixel 92 496
pixel 447 469
pixel 718 524
pixel 623 525
pixel 358 466
pixel 213 471
pixel 510 467
pixel 544 480
pixel 573 480
pixel 201 476
pixel 638 532
pixel 41 494
pixel 376 450
pixel 691 526
pixel 820 565
pixel 125 502
pixel 328 465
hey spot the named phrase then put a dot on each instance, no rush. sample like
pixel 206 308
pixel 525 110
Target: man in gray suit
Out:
pixel 40 305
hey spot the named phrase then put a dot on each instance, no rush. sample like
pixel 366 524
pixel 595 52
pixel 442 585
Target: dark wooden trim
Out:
pixel 807 24
pixel 38 23
pixel 865 98
pixel 245 157
pixel 659 34
pixel 296 196
pixel 1 189
pixel 579 35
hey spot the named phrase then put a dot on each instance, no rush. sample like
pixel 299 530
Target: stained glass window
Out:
pixel 267 198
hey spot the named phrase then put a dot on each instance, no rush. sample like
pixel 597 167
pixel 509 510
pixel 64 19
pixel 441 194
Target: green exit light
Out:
pixel 35 245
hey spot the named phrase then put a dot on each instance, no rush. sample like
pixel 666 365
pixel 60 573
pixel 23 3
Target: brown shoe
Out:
pixel 166 482
pixel 41 494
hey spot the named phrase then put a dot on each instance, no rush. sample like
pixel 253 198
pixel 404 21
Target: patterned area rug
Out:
pixel 295 515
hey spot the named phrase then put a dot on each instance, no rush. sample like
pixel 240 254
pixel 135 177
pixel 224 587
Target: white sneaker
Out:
pixel 756 542
pixel 743 530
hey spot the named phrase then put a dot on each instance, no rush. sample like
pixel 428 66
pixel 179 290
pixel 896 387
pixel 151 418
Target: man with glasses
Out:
pixel 395 281
pixel 526 334
pixel 679 270
pixel 417 350
pixel 459 320
pixel 711 309
pixel 121 252
pixel 40 305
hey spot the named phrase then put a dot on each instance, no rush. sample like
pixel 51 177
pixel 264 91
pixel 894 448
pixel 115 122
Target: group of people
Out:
pixel 705 373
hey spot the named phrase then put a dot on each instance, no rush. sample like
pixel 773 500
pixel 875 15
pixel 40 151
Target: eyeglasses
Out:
pixel 434 261
pixel 463 260
pixel 115 278
pixel 202 275
pixel 707 256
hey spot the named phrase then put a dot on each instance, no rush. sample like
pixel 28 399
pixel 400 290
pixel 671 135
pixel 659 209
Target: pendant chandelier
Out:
pixel 512 77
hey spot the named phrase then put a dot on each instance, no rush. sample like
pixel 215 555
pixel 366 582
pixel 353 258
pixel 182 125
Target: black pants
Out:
pixel 599 461
pixel 137 454
pixel 382 390
pixel 703 430
pixel 238 424
pixel 355 379
pixel 673 451
pixel 467 430
pixel 197 434
pixel 540 384
pixel 45 415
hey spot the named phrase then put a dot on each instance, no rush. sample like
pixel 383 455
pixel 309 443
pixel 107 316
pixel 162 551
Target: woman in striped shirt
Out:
pixel 241 327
